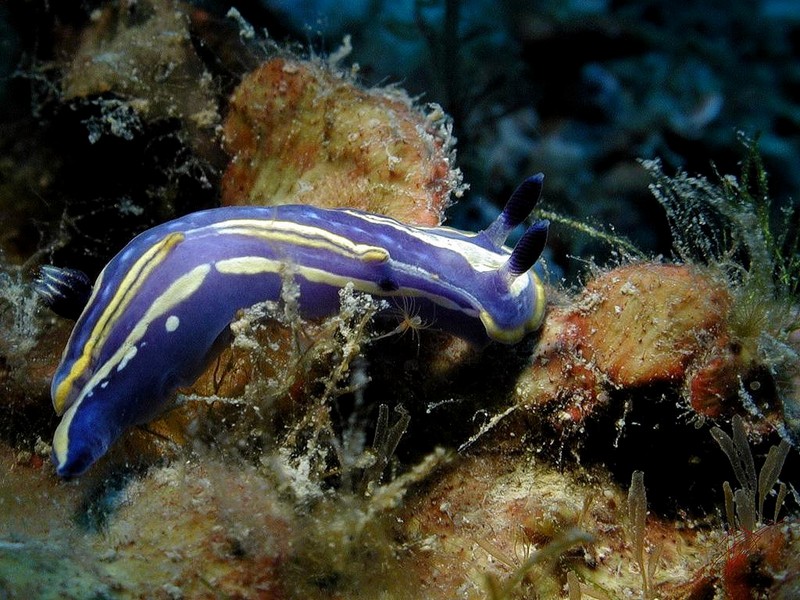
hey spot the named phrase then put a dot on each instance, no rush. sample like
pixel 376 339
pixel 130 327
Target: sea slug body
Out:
pixel 157 308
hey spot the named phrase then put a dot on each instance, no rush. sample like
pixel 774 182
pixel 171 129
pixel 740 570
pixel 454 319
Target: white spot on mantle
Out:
pixel 128 356
pixel 172 323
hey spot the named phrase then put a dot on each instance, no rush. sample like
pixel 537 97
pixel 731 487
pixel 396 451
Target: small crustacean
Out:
pixel 158 307
pixel 408 319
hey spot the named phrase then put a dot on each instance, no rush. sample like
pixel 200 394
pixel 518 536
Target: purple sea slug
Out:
pixel 157 308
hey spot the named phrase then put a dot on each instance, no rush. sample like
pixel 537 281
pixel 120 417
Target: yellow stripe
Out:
pixel 61 437
pixel 248 265
pixel 178 291
pixel 540 302
pixel 304 236
pixel 480 259
pixel 253 265
pixel 512 336
pixel 124 295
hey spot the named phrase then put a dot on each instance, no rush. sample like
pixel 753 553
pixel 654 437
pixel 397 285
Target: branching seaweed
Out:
pixel 636 527
pixel 744 507
pixel 385 442
pixel 733 225
pixel 19 323
pixel 503 590
pixel 612 239
pixel 332 477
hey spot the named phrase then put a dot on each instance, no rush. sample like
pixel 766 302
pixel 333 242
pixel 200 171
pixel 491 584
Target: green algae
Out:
pixel 735 227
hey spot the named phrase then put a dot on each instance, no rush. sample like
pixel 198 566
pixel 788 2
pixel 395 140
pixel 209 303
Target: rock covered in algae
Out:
pixel 638 325
pixel 143 53
pixel 645 322
pixel 492 525
pixel 485 523
pixel 301 133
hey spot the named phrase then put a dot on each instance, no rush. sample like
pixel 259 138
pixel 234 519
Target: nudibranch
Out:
pixel 157 308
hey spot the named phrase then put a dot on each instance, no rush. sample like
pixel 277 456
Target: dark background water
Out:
pixel 578 89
